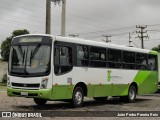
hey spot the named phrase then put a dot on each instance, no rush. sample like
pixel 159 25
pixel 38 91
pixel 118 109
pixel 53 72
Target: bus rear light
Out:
pixel 44 83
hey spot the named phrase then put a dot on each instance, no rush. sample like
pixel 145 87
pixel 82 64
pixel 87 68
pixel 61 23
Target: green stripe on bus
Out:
pixel 153 52
pixel 147 82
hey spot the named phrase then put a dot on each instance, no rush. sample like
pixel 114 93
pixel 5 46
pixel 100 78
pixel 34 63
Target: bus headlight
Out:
pixel 44 83
pixel 8 81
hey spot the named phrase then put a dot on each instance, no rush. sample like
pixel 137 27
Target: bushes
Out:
pixel 5 47
pixel 4 79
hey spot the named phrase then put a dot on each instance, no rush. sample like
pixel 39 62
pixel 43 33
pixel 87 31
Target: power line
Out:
pixel 119 34
pixel 11 21
pixel 8 3
pixel 73 15
pixel 107 30
pixel 39 20
pixel 23 13
pixel 38 11
pixel 69 13
pixel 35 17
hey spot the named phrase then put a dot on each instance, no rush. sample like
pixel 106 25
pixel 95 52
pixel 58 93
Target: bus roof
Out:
pixel 102 44
pixel 94 43
pixel 33 35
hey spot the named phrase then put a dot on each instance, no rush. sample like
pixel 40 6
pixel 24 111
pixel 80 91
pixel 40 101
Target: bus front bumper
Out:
pixel 41 93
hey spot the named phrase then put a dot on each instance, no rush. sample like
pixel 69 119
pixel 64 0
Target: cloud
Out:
pixel 83 16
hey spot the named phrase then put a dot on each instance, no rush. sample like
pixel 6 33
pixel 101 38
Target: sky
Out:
pixel 88 18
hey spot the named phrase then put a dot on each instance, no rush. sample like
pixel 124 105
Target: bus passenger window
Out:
pixel 141 61
pixel 128 60
pixel 152 62
pixel 97 57
pixel 62 59
pixel 114 58
pixel 82 56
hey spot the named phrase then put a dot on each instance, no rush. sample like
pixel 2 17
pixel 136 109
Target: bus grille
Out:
pixel 25 85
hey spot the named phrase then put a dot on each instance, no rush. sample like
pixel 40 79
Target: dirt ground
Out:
pixel 143 103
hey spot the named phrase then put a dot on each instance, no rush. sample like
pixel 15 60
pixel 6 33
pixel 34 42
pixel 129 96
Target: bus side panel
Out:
pixel 147 82
pixel 62 92
pixel 102 90
pixel 90 89
pixel 120 89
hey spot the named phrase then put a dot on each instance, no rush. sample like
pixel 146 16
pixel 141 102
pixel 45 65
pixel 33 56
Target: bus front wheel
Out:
pixel 77 98
pixel 40 101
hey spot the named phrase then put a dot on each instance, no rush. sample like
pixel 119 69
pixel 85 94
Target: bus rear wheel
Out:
pixel 100 99
pixel 131 97
pixel 132 94
pixel 77 98
pixel 40 101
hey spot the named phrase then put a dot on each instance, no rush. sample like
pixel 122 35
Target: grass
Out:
pixel 1 60
pixel 3 87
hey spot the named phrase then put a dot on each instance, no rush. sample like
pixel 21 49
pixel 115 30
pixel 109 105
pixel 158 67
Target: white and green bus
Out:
pixel 45 67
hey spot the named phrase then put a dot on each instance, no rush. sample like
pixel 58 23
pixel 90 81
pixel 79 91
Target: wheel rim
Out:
pixel 131 94
pixel 78 97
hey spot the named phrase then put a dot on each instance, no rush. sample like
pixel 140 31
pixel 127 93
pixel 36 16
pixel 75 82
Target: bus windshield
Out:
pixel 30 59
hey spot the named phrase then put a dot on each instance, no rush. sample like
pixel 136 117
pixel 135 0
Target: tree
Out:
pixel 6 44
pixel 156 48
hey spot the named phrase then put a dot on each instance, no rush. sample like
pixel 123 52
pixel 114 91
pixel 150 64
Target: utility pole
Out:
pixel 130 39
pixel 130 36
pixel 142 36
pixel 107 36
pixel 63 16
pixel 48 16
pixel 63 19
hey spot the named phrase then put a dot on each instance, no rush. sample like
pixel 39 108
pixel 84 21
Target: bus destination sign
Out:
pixel 30 39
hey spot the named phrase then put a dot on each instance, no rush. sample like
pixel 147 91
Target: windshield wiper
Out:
pixel 35 51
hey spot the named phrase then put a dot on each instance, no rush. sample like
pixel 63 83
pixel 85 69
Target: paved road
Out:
pixel 143 103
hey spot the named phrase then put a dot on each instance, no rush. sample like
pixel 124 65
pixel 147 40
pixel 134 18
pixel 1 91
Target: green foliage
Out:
pixel 4 79
pixel 19 32
pixel 156 48
pixel 6 44
pixel 5 48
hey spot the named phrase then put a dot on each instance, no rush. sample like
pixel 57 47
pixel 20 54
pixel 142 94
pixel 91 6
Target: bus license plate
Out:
pixel 24 93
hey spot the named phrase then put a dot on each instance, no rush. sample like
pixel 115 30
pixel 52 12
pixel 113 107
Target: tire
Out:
pixel 132 94
pixel 40 101
pixel 77 97
pixel 100 99
pixel 131 97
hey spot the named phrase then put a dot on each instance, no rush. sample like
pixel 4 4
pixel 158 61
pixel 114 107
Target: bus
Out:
pixel 48 68
pixel 159 73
